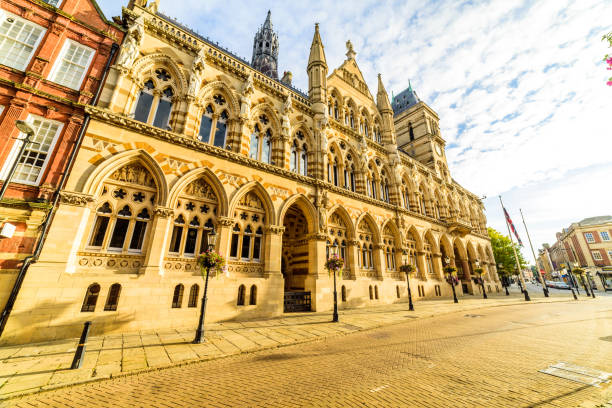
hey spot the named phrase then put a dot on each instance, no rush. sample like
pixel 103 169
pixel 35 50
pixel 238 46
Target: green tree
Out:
pixel 503 253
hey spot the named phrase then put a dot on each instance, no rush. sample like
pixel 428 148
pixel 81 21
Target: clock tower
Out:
pixel 418 132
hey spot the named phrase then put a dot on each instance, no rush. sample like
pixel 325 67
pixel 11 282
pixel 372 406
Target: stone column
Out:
pixel 224 235
pixel 421 265
pixel 188 125
pixel 437 265
pixel 318 281
pixel 352 251
pixel 273 250
pixel 158 238
pixel 379 260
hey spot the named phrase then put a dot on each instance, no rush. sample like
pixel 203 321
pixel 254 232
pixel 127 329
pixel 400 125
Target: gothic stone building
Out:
pixel 188 137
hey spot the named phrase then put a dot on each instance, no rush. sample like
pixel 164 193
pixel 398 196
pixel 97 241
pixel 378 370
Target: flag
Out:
pixel 509 221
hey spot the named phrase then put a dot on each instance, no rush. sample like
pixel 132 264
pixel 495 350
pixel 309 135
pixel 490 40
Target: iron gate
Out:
pixel 297 302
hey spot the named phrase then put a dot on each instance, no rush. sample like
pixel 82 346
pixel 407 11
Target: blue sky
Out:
pixel 519 86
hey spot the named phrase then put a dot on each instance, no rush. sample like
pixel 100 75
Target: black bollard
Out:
pixel 78 355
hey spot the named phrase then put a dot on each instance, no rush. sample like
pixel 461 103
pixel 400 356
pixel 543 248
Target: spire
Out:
pixel 382 99
pixel 268 23
pixel 265 49
pixel 317 53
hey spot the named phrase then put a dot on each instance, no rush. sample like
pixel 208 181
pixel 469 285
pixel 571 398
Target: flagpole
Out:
pixel 544 288
pixel 518 264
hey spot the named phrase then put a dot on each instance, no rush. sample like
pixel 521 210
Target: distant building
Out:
pixel 586 244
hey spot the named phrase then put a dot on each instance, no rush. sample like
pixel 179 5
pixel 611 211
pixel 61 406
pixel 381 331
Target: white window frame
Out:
pixel 12 156
pixel 59 3
pixel 60 59
pixel 603 234
pixel 588 236
pixel 5 14
pixel 598 257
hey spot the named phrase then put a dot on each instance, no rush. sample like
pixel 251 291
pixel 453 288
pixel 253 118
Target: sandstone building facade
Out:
pixel 188 137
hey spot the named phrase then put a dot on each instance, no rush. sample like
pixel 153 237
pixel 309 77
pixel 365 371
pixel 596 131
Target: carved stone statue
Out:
pixel 285 122
pixel 197 72
pixel 350 53
pixel 245 98
pixel 322 204
pixel 364 144
pixel 129 50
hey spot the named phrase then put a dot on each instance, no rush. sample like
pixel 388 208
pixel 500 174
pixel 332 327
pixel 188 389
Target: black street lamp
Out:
pixel 211 238
pixel 481 273
pixel 450 278
pixel 334 253
pixel 408 268
pixel 23 127
pixel 591 284
pixel 571 282
pixel 504 279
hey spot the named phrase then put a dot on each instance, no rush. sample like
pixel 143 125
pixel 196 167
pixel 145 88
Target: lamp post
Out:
pixel 408 269
pixel 450 278
pixel 584 281
pixel 571 282
pixel 335 255
pixel 481 273
pixel 504 279
pixel 199 336
pixel 23 127
pixel 591 284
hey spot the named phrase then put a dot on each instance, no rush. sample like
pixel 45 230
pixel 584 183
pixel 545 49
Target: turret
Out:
pixel 317 73
pixel 265 49
pixel 386 112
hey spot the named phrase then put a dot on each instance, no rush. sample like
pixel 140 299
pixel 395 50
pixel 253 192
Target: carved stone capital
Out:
pixel 75 199
pixel 317 237
pixel 275 229
pixel 163 212
pixel 225 221
pixel 352 242
pixel 379 246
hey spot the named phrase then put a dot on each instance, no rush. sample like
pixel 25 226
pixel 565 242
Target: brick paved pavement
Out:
pixel 30 368
pixel 487 357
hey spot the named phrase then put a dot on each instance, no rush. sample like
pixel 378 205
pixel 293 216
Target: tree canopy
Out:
pixel 503 253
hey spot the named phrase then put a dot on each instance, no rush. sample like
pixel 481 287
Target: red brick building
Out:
pixel 53 55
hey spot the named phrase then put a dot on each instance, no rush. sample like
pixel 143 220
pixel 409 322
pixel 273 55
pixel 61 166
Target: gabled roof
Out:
pixel 350 66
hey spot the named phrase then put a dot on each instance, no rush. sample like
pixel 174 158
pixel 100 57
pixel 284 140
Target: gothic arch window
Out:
pixel 247 233
pixel 193 295
pixel 113 297
pixel 155 100
pixel 371 293
pixel 427 249
pixel 299 154
pixel 253 295
pixel 343 293
pixel 421 200
pixel 377 136
pixel 336 110
pixel 411 248
pixel 366 238
pixel 397 291
pixel 91 298
pixel 389 244
pixel 371 182
pixel 361 126
pixel 366 126
pixel 261 139
pixel 406 194
pixel 384 187
pixel 177 296
pixel 410 131
pixel 214 122
pixel 335 172
pixel 241 295
pixel 122 217
pixel 349 173
pixel 376 292
pixel 195 215
pixel 352 119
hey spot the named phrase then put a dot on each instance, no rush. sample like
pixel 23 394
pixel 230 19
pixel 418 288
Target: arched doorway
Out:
pixel 295 260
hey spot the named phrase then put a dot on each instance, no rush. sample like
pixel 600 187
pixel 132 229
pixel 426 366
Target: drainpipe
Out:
pixel 47 223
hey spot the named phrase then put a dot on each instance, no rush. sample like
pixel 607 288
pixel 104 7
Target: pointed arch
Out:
pixel 303 204
pixel 160 60
pixel 210 178
pixel 471 251
pixel 267 109
pixel 429 238
pixel 93 184
pixel 211 88
pixel 413 233
pixel 346 218
pixel 446 243
pixel 460 247
pixel 263 195
pixel 390 223
pixel 367 217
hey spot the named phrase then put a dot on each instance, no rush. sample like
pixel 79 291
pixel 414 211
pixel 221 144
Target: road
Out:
pixel 487 358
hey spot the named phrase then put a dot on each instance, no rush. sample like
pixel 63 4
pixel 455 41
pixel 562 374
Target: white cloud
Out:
pixel 526 79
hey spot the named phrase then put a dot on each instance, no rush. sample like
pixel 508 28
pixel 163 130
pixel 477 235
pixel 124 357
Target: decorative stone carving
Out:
pixel 225 221
pixel 197 73
pixel 131 44
pixel 275 229
pixel 134 173
pixel 245 268
pixel 322 203
pixel 252 201
pixel 245 98
pixel 200 189
pixel 285 122
pixel 75 199
pixel 163 212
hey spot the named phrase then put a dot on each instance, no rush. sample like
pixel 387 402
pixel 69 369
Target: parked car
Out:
pixel 557 285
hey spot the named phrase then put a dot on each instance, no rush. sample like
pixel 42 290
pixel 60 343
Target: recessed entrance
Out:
pixel 294 263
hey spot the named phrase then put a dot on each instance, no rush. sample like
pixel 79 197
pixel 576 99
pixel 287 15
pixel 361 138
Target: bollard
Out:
pixel 78 354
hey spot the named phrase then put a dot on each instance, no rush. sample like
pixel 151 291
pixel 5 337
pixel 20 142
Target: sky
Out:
pixel 520 87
